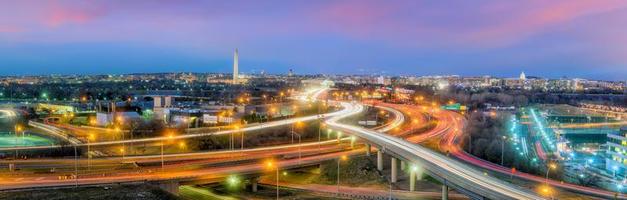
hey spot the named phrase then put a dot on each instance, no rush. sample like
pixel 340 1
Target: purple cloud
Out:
pixel 532 33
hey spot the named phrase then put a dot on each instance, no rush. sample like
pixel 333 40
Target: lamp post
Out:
pixel 299 147
pixel 121 122
pixel 292 131
pixel 329 133
pixel 271 165
pixel 242 137
pixel 89 139
pixel 170 136
pixel 75 167
pixel 231 145
pixel 18 129
pixel 320 125
pixel 343 157
pixel 162 154
pixel 550 166
pixel 503 149
pixel 339 135
pixel 547 191
pixel 182 146
pixel 353 139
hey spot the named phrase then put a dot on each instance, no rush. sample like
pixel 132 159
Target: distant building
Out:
pixel 616 160
pixel 161 105
pixel 104 118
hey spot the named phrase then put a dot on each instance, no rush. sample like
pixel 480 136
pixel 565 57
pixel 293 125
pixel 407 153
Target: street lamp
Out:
pixel 182 145
pixel 242 136
pixel 298 123
pixel 232 181
pixel 503 149
pixel 89 139
pixel 546 191
pixel 122 151
pixel 170 136
pixel 329 131
pixel 342 158
pixel 550 166
pixel 271 165
pixel 18 129
pixel 320 125
pixel 339 135
pixel 75 166
pixel 353 139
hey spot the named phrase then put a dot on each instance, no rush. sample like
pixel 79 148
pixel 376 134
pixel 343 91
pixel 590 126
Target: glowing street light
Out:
pixel 232 181
pixel 242 137
pixel 550 166
pixel 341 158
pixel 182 145
pixel 271 165
pixel 329 131
pixel 339 135
pixel 353 139
pixel 122 152
pixel 320 125
pixel 170 136
pixel 90 138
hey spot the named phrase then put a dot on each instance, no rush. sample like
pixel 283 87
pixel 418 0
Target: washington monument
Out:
pixel 235 68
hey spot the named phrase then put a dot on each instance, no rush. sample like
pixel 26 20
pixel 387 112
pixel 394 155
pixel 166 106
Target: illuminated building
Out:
pixel 616 160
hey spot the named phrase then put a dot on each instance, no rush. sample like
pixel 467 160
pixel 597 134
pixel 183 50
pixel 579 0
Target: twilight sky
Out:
pixel 574 38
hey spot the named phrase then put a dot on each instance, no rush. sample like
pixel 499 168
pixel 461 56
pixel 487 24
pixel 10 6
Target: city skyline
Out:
pixel 582 39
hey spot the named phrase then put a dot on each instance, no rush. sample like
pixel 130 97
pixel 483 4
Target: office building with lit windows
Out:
pixel 616 160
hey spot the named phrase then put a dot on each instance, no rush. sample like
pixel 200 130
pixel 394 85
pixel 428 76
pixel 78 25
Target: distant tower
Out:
pixel 235 67
pixel 522 76
pixel 290 73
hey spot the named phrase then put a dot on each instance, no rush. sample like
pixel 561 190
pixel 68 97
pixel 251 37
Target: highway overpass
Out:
pixel 450 172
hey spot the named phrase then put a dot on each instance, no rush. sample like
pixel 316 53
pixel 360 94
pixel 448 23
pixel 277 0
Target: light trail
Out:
pixel 8 113
pixel 442 166
pixel 195 135
pixel 399 119
pixel 591 125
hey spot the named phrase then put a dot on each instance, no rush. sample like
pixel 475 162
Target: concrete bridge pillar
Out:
pixel 170 186
pixel 444 192
pixel 394 176
pixel 368 149
pixel 253 186
pixel 412 180
pixel 379 160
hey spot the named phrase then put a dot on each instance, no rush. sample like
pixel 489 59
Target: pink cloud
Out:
pixel 58 14
pixel 519 26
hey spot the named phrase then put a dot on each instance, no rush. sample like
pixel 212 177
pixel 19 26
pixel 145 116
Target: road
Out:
pixel 191 173
pixel 452 171
pixel 205 162
pixel 260 152
pixel 196 135
pixel 451 143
